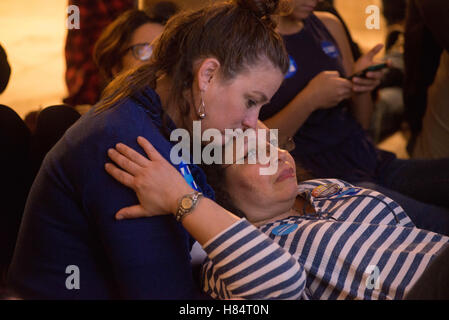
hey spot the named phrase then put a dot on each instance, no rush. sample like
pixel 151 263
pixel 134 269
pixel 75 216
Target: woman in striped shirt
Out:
pixel 321 239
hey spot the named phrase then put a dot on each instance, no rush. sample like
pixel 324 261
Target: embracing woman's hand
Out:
pixel 373 78
pixel 157 183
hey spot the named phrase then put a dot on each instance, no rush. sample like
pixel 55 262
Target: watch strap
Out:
pixel 182 212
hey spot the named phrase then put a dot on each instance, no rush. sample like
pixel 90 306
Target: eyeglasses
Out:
pixel 141 51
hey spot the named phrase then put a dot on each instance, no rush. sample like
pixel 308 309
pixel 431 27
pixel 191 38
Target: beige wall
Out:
pixel 33 35
pixel 353 12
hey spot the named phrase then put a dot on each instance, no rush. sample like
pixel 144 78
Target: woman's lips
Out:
pixel 309 8
pixel 286 174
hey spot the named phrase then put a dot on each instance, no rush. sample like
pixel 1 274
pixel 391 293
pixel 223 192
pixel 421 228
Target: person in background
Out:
pixel 427 65
pixel 31 120
pixel 15 183
pixel 82 76
pixel 326 114
pixel 111 57
pixel 5 70
pixel 426 38
pixel 126 42
pixel 388 113
pixel 161 11
pixel 328 6
pixel 433 140
pixel 47 126
pixel 394 13
pixel 51 124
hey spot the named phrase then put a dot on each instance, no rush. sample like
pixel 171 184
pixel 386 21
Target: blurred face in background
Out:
pixel 301 9
pixel 139 48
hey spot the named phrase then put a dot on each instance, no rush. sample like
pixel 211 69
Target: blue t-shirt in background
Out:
pixel 331 143
pixel 69 218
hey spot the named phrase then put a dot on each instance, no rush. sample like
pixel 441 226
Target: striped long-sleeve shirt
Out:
pixel 359 245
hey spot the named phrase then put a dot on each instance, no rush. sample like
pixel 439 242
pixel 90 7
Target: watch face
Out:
pixel 186 203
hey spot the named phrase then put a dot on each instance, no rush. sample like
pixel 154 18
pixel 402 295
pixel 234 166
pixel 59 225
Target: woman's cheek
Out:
pixel 265 183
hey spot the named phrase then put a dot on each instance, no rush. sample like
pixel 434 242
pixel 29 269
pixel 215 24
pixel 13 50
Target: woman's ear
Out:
pixel 207 70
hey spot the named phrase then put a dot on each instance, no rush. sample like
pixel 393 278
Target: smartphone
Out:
pixel 362 74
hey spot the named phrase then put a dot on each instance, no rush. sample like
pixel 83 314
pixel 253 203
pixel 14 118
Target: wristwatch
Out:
pixel 186 204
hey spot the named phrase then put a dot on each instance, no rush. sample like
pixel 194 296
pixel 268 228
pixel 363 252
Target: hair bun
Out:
pixel 261 8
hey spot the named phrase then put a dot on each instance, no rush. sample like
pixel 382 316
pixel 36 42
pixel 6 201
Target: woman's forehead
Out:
pixel 237 148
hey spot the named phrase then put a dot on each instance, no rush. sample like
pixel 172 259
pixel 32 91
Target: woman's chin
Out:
pixel 302 14
pixel 289 188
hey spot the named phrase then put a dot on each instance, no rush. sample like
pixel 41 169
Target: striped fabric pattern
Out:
pixel 367 206
pixel 336 252
pixel 246 264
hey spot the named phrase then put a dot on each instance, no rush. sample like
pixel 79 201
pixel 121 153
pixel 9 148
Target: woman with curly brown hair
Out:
pixel 126 42
pixel 217 65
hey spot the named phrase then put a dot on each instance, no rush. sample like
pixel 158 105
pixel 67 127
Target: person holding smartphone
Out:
pixel 325 112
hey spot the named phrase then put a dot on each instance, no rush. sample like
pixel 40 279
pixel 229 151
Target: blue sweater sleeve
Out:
pixel 70 220
pixel 149 257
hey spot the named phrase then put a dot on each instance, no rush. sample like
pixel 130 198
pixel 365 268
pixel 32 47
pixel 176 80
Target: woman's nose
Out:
pixel 251 118
pixel 282 155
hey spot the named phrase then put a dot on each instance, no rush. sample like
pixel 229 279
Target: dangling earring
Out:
pixel 202 109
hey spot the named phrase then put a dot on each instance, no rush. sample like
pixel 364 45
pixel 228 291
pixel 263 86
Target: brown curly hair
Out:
pixel 238 34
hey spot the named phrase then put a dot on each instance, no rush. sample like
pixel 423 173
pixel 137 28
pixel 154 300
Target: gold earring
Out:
pixel 202 109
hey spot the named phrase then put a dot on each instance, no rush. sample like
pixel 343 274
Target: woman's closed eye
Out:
pixel 251 103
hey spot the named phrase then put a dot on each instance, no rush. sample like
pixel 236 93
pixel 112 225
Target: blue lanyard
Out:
pixel 187 174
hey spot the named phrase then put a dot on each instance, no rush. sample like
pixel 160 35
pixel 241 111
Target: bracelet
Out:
pixel 187 204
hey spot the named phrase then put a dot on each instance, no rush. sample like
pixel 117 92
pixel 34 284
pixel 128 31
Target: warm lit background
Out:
pixel 33 34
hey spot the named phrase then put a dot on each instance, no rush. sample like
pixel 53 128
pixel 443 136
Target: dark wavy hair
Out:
pixel 112 43
pixel 237 33
pixel 162 11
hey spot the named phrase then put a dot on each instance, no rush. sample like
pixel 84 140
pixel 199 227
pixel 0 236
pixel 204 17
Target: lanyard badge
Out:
pixel 326 190
pixel 187 174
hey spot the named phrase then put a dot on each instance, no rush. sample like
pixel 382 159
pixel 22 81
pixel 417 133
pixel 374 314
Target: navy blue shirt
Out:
pixel 70 218
pixel 331 143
